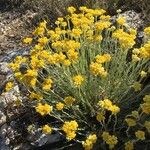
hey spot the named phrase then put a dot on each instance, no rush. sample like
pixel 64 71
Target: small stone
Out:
pixel 4 69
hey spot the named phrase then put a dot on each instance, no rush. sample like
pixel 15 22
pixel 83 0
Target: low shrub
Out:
pixel 88 74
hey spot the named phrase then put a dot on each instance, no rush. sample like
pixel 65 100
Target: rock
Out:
pixel 9 97
pixel 133 18
pixel 4 69
pixel 9 56
pixel 2 118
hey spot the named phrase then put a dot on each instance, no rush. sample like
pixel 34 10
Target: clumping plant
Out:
pixel 87 73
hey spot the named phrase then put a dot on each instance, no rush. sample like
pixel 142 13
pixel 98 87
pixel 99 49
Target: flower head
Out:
pixel 70 128
pixel 140 135
pixel 43 109
pixel 59 106
pixel 78 80
pixel 46 129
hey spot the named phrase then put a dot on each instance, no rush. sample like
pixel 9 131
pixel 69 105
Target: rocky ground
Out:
pixel 13 27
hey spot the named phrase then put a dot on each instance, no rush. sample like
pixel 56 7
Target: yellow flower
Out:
pixel 36 63
pixel 78 80
pixel 9 86
pixel 114 109
pixel 129 145
pixel 100 116
pixel 76 33
pixel 69 100
pixel 72 54
pixel 71 10
pixel 140 135
pixel 121 20
pixel 37 96
pixel 70 128
pixel 89 142
pixel 135 58
pixel 27 40
pixel 130 122
pixel 143 74
pixel 100 26
pixel 66 62
pixel 103 58
pixel 59 106
pixel 126 40
pixel 135 114
pixel 146 98
pixel 145 107
pixel 46 129
pixel 137 86
pixel 147 31
pixel 97 69
pixel 47 84
pixel 111 140
pixel 43 24
pixel 43 40
pixel 106 104
pixel 43 109
pixel 31 73
pixel 39 31
pixel 147 125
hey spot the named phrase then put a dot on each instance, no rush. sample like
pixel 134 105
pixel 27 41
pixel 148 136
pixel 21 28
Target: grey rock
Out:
pixel 2 117
pixel 4 68
pixel 9 56
pixel 133 18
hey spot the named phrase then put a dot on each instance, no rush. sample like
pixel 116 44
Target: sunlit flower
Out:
pixel 70 128
pixel 46 129
pixel 43 109
pixel 59 106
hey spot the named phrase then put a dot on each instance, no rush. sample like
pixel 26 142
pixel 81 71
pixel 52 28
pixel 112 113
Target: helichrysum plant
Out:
pixel 87 73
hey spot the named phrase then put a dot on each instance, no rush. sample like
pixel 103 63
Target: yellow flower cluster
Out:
pixel 43 109
pixel 96 67
pixel 146 105
pixel 129 145
pixel 142 52
pixel 131 122
pixel 9 86
pixel 36 96
pixel 140 135
pixel 107 104
pixel 30 77
pixel 46 129
pixel 59 106
pixel 89 142
pixel 121 20
pixel 78 80
pixel 147 31
pixel 27 40
pixel 143 74
pixel 103 58
pixel 47 84
pixel 70 128
pixel 97 70
pixel 100 116
pixel 126 40
pixel 17 61
pixel 111 140
pixel 137 86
